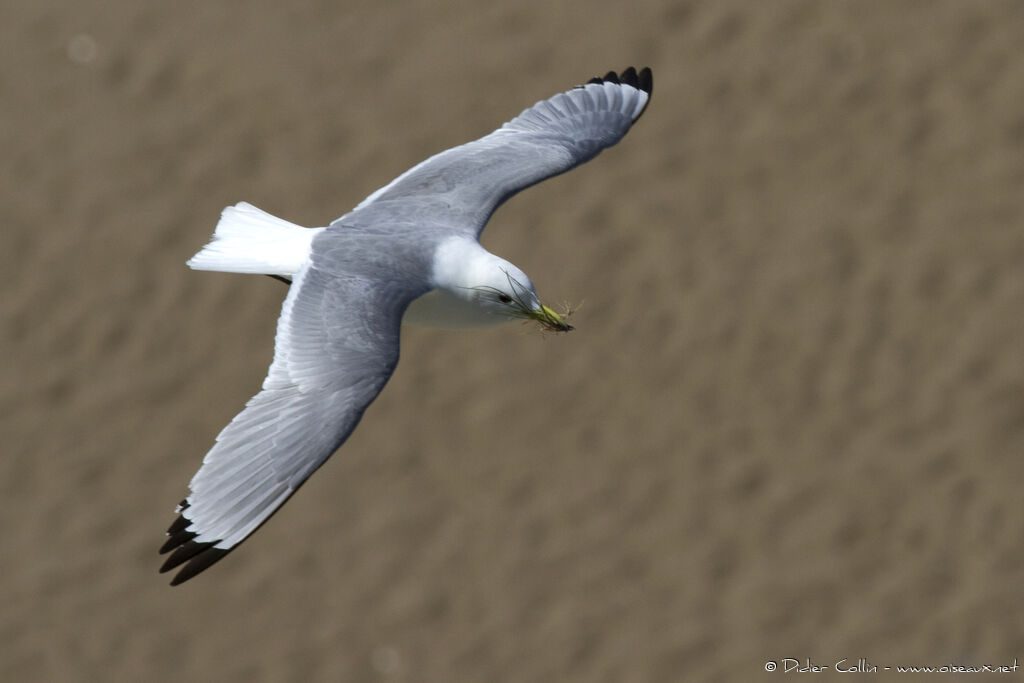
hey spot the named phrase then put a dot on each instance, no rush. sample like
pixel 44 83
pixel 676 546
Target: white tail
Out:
pixel 248 240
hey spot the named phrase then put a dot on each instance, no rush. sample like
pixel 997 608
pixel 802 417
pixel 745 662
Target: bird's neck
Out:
pixel 460 266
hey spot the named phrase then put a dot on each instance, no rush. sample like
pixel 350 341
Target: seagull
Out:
pixel 408 253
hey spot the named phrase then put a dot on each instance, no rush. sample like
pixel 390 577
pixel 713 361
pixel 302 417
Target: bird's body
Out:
pixel 408 253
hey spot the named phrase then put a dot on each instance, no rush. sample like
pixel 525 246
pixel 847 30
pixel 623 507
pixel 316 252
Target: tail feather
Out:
pixel 248 240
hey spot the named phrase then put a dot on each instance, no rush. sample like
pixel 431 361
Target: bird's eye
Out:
pixel 504 298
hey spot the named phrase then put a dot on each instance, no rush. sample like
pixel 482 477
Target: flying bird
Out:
pixel 409 252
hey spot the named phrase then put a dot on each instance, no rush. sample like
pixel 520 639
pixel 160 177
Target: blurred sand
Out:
pixel 790 423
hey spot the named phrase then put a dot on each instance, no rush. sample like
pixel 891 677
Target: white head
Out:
pixel 490 284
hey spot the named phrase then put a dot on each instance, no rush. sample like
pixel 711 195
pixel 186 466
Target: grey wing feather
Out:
pixel 464 185
pixel 336 347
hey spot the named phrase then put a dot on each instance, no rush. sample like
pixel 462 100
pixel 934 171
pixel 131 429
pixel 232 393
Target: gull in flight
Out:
pixel 409 252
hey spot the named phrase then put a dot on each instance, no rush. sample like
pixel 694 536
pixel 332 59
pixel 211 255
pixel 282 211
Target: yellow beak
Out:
pixel 550 320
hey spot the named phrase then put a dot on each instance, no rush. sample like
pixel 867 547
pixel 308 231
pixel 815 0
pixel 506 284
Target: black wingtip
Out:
pixel 641 80
pixel 179 525
pixel 645 79
pixel 184 552
pixel 177 539
pixel 198 556
pixel 201 562
pixel 177 536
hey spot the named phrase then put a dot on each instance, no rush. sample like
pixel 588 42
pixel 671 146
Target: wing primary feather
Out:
pixel 199 563
pixel 184 553
pixel 177 539
pixel 179 525
pixel 207 554
pixel 645 79
pixel 641 80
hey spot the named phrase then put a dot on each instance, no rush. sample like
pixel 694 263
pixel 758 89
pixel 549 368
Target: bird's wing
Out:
pixel 463 186
pixel 336 346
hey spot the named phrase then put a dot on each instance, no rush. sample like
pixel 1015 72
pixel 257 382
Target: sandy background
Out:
pixel 790 423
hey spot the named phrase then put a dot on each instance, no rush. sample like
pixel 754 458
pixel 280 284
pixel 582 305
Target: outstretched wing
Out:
pixel 464 185
pixel 337 345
